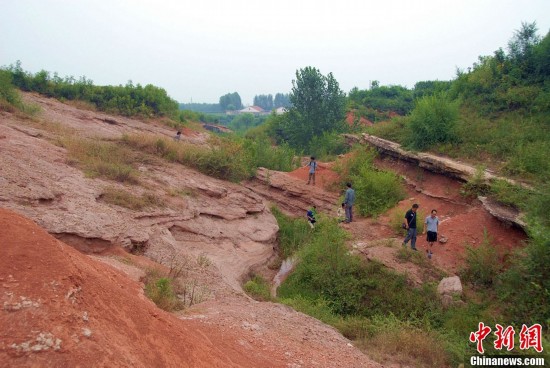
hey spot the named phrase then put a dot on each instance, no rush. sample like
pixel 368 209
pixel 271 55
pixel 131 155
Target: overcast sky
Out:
pixel 201 50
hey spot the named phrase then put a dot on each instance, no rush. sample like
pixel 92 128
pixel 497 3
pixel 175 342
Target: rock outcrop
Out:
pixel 446 166
pixel 291 196
pixel 199 215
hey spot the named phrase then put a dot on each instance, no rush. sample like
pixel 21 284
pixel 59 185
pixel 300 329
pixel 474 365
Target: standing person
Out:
pixel 432 225
pixel 410 225
pixel 312 168
pixel 177 137
pixel 311 216
pixel 348 201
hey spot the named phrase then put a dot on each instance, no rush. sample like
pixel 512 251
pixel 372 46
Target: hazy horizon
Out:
pixel 199 51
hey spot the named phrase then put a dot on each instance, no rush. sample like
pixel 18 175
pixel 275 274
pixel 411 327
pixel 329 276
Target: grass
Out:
pixel 258 288
pixel 160 290
pixel 126 199
pixel 223 159
pixel 293 233
pixel 102 159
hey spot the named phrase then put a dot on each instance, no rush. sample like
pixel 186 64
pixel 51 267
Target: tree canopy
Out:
pixel 231 101
pixel 318 105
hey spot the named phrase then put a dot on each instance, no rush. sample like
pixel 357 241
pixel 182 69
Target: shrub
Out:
pixel 160 290
pixel 525 286
pixel 375 190
pixel 327 146
pixel 8 93
pixel 482 263
pixel 258 288
pixel 293 233
pixel 433 121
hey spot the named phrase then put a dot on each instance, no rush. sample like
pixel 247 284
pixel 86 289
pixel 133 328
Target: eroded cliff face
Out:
pixel 448 167
pixel 227 222
pixel 67 308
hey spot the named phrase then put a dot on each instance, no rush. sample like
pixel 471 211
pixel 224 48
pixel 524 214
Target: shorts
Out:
pixel 431 236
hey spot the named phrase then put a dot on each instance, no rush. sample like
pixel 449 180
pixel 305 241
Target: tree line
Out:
pixel 125 100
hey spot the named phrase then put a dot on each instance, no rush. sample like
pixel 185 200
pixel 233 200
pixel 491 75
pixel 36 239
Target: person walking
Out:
pixel 349 199
pixel 410 225
pixel 432 226
pixel 312 168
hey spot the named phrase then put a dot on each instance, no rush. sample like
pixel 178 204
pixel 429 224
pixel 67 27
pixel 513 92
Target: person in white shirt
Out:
pixel 432 226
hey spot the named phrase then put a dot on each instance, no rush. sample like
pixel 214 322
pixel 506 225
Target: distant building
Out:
pixel 256 110
pixel 280 110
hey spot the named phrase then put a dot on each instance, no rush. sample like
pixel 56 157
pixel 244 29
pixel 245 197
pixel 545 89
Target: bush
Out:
pixel 258 288
pixel 525 286
pixel 327 146
pixel 8 93
pixel 375 190
pixel 482 263
pixel 293 233
pixel 160 290
pixel 433 121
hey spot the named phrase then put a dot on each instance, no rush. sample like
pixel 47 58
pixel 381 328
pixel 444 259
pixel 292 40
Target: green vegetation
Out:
pixel 482 264
pixel 378 98
pixel 233 159
pixel 433 121
pixel 102 159
pixel 375 190
pixel 258 288
pixel 128 100
pixel 365 301
pixel 231 101
pixel 293 233
pixel 161 291
pixel 318 106
pixel 496 111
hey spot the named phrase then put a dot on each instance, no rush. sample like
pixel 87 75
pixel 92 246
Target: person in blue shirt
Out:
pixel 410 225
pixel 349 199
pixel 311 213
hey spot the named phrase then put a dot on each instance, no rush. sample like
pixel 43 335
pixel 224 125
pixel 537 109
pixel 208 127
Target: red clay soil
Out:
pixel 350 119
pixel 463 220
pixel 61 308
pixel 324 176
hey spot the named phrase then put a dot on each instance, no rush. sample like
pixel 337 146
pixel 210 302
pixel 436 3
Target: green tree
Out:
pixel 281 100
pixel 318 105
pixel 231 101
pixel 264 101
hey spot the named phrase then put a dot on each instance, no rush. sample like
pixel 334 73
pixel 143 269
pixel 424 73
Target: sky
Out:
pixel 200 50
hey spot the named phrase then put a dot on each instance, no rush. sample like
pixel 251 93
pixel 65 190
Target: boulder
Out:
pixel 450 286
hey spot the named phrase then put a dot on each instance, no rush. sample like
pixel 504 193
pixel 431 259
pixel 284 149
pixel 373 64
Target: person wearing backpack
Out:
pixel 312 168
pixel 310 214
pixel 410 225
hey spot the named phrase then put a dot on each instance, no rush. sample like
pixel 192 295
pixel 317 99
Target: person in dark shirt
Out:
pixel 410 225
